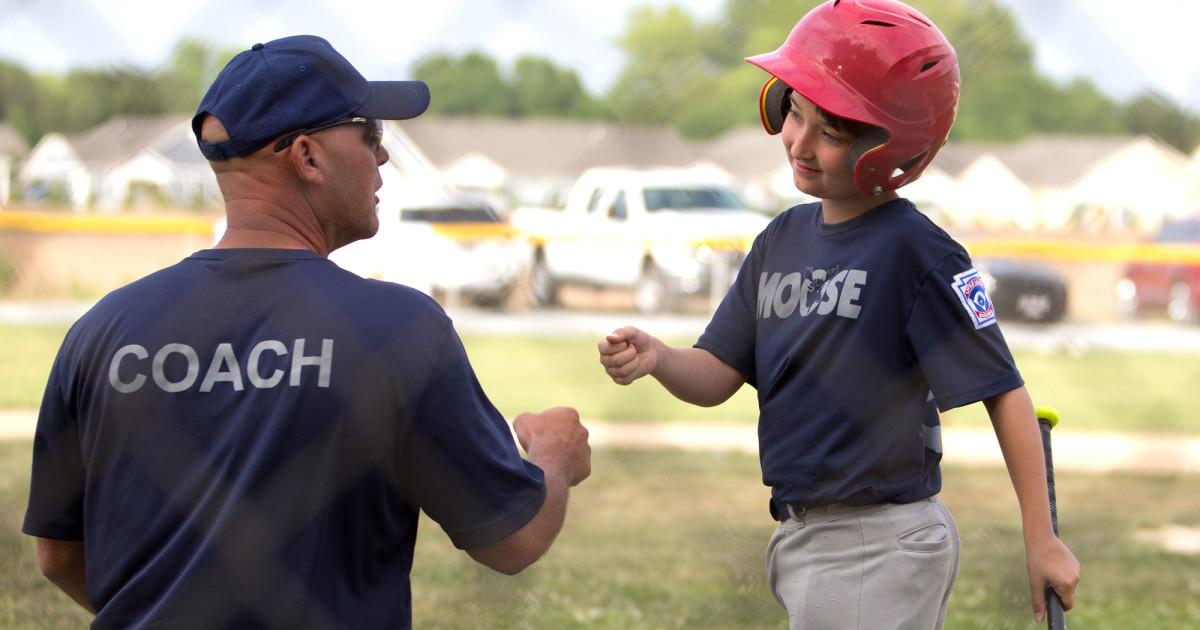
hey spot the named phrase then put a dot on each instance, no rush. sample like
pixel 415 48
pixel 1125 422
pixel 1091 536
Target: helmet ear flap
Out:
pixel 873 139
pixel 771 104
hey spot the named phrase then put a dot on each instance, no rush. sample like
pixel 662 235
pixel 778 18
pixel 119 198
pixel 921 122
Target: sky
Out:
pixel 1125 46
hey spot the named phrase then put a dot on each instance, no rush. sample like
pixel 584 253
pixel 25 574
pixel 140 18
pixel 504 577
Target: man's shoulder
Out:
pixel 274 283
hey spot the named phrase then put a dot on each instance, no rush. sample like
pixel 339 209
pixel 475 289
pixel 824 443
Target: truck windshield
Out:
pixel 691 199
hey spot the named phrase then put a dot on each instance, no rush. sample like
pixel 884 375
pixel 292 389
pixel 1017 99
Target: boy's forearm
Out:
pixel 1020 441
pixel 696 376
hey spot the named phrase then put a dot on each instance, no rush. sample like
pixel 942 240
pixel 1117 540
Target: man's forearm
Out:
pixel 62 562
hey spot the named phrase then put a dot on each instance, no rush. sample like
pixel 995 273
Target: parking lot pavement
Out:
pixel 42 313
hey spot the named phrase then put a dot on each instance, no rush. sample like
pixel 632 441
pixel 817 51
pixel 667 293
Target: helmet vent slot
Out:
pixel 907 165
pixel 929 66
pixel 877 23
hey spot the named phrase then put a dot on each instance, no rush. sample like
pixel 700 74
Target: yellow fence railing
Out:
pixel 982 247
pixel 105 224
pixel 1066 250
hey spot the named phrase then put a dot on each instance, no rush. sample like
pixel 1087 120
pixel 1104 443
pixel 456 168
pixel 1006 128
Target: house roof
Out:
pixel 547 148
pixel 954 158
pixel 1047 161
pixel 1040 161
pixel 12 143
pixel 747 152
pixel 122 137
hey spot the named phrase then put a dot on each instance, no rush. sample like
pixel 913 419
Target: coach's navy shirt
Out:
pixel 854 334
pixel 245 440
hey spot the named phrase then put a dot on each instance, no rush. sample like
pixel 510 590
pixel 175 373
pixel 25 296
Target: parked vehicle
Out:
pixel 1023 290
pixel 1169 281
pixel 454 248
pixel 663 233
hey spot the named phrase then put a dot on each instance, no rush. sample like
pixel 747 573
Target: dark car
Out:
pixel 1023 290
pixel 1168 282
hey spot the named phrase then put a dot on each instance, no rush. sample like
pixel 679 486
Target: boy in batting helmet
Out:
pixel 857 319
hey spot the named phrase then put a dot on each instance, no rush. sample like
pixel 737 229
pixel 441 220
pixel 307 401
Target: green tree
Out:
pixel 1154 115
pixel 467 85
pixel 752 27
pixel 720 104
pixel 668 66
pixel 542 90
pixel 193 66
pixel 18 100
pixel 1078 107
pixel 90 97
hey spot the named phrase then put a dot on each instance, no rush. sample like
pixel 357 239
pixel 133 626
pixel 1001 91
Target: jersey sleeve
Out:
pixel 57 480
pixel 460 460
pixel 731 334
pixel 954 333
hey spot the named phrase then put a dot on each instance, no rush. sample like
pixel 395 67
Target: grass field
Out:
pixel 667 539
pixel 1108 391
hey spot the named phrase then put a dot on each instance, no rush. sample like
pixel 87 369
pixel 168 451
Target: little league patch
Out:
pixel 970 289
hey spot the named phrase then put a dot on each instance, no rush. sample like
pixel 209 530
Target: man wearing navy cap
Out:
pixel 245 439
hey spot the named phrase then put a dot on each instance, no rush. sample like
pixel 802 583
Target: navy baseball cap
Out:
pixel 295 83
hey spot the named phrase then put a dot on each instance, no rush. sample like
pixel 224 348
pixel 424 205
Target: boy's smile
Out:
pixel 818 153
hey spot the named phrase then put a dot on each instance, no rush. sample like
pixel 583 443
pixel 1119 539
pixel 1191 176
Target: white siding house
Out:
pixel 1047 182
pixel 122 163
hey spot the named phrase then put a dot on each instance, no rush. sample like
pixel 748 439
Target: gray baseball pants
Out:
pixel 875 567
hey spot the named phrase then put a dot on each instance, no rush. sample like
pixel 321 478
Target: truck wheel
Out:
pixel 652 295
pixel 543 290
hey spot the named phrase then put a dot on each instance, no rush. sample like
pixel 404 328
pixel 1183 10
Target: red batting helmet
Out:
pixel 880 62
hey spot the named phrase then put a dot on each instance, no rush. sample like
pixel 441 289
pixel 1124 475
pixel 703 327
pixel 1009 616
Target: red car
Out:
pixel 1171 285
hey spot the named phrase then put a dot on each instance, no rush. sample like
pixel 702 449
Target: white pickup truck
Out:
pixel 664 233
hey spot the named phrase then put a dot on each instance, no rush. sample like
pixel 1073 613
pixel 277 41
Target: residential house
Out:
pixel 124 162
pixel 976 189
pixel 1045 182
pixel 1064 181
pixel 13 149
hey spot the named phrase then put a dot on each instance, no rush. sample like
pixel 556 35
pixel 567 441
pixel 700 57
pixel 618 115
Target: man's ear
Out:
pixel 306 159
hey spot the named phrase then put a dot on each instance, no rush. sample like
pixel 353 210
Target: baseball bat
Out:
pixel 1047 420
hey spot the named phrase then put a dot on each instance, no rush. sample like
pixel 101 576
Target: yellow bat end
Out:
pixel 1047 414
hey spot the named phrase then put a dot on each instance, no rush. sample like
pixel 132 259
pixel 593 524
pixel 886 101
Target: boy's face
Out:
pixel 817 152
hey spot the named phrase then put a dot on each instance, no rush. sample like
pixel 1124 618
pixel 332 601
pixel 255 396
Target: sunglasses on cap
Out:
pixel 373 135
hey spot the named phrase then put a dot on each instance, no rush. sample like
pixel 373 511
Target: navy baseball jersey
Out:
pixel 245 439
pixel 854 334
